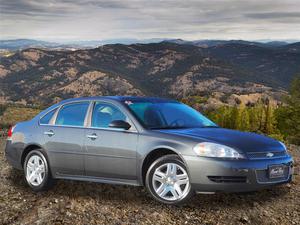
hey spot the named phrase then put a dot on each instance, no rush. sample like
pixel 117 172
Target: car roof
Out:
pixel 121 99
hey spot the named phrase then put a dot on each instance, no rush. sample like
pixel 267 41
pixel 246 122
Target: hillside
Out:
pixel 160 69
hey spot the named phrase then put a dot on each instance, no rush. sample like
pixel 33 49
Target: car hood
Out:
pixel 243 141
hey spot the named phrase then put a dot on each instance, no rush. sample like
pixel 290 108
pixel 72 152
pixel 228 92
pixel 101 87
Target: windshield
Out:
pixel 168 115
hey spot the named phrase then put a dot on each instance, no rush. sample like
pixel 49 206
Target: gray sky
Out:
pixel 114 19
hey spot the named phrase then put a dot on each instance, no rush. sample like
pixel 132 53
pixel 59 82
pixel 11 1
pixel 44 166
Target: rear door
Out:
pixel 110 153
pixel 64 139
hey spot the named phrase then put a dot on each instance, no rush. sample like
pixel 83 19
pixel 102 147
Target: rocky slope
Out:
pixel 161 69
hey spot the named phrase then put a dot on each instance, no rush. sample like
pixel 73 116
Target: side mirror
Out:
pixel 121 124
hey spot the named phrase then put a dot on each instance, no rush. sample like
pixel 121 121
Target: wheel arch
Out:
pixel 155 154
pixel 30 147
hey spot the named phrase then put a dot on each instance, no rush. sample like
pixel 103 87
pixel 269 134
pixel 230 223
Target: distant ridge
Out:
pixel 158 69
pixel 19 44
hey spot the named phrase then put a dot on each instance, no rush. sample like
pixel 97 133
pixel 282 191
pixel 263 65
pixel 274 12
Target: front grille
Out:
pixel 228 179
pixel 266 155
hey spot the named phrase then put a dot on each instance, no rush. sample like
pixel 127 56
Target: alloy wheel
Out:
pixel 171 182
pixel 35 170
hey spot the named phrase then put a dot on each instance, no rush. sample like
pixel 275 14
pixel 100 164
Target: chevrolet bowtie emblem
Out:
pixel 269 154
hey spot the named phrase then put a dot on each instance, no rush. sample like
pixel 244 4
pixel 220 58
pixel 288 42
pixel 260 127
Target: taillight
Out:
pixel 10 131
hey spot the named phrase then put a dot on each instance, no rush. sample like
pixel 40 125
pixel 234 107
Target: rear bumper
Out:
pixel 13 154
pixel 214 175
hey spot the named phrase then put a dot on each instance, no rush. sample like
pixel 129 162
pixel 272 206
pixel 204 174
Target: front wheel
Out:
pixel 37 173
pixel 167 180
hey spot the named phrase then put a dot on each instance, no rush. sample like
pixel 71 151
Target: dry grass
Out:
pixel 13 115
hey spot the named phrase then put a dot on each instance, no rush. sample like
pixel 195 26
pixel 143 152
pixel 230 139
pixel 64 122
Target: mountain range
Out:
pixel 19 44
pixel 221 71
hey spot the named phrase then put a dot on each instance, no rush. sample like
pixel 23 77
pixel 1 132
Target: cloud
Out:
pixel 30 7
pixel 190 19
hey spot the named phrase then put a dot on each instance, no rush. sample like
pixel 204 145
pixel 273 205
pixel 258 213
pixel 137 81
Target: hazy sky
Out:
pixel 114 19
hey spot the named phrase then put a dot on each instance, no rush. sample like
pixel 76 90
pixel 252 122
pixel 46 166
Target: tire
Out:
pixel 37 172
pixel 164 185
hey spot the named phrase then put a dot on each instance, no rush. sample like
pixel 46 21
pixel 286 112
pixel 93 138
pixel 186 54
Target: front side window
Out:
pixel 47 118
pixel 168 115
pixel 104 114
pixel 72 114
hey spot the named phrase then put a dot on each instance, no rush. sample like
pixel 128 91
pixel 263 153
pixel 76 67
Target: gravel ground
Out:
pixel 89 203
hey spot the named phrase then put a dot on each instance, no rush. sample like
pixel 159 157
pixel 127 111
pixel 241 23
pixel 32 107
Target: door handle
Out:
pixel 49 133
pixel 92 136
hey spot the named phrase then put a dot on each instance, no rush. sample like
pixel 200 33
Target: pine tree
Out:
pixel 288 116
pixel 244 119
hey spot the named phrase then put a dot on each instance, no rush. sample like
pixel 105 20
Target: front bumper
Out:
pixel 217 175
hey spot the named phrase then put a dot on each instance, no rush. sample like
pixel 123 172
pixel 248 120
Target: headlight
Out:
pixel 209 149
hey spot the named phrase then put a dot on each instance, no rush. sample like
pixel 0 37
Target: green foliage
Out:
pixel 288 116
pixel 259 118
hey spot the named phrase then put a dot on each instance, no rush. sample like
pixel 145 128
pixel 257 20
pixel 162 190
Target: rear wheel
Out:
pixel 167 180
pixel 37 173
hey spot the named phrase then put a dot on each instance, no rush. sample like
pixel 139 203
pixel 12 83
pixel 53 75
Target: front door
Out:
pixel 110 153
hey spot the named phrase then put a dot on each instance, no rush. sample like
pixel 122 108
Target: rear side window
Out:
pixel 72 114
pixel 46 119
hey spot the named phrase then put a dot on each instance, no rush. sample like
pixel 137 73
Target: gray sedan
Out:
pixel 162 144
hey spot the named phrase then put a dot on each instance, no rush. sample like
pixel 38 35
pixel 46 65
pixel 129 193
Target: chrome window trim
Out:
pixel 52 121
pixel 72 103
pixel 54 117
pixel 112 129
pixel 67 126
pixel 88 116
pixel 94 128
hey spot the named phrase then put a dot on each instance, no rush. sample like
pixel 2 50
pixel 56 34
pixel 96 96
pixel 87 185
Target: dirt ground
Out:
pixel 89 203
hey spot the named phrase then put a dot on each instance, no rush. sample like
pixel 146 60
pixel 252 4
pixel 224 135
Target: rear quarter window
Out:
pixel 47 118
